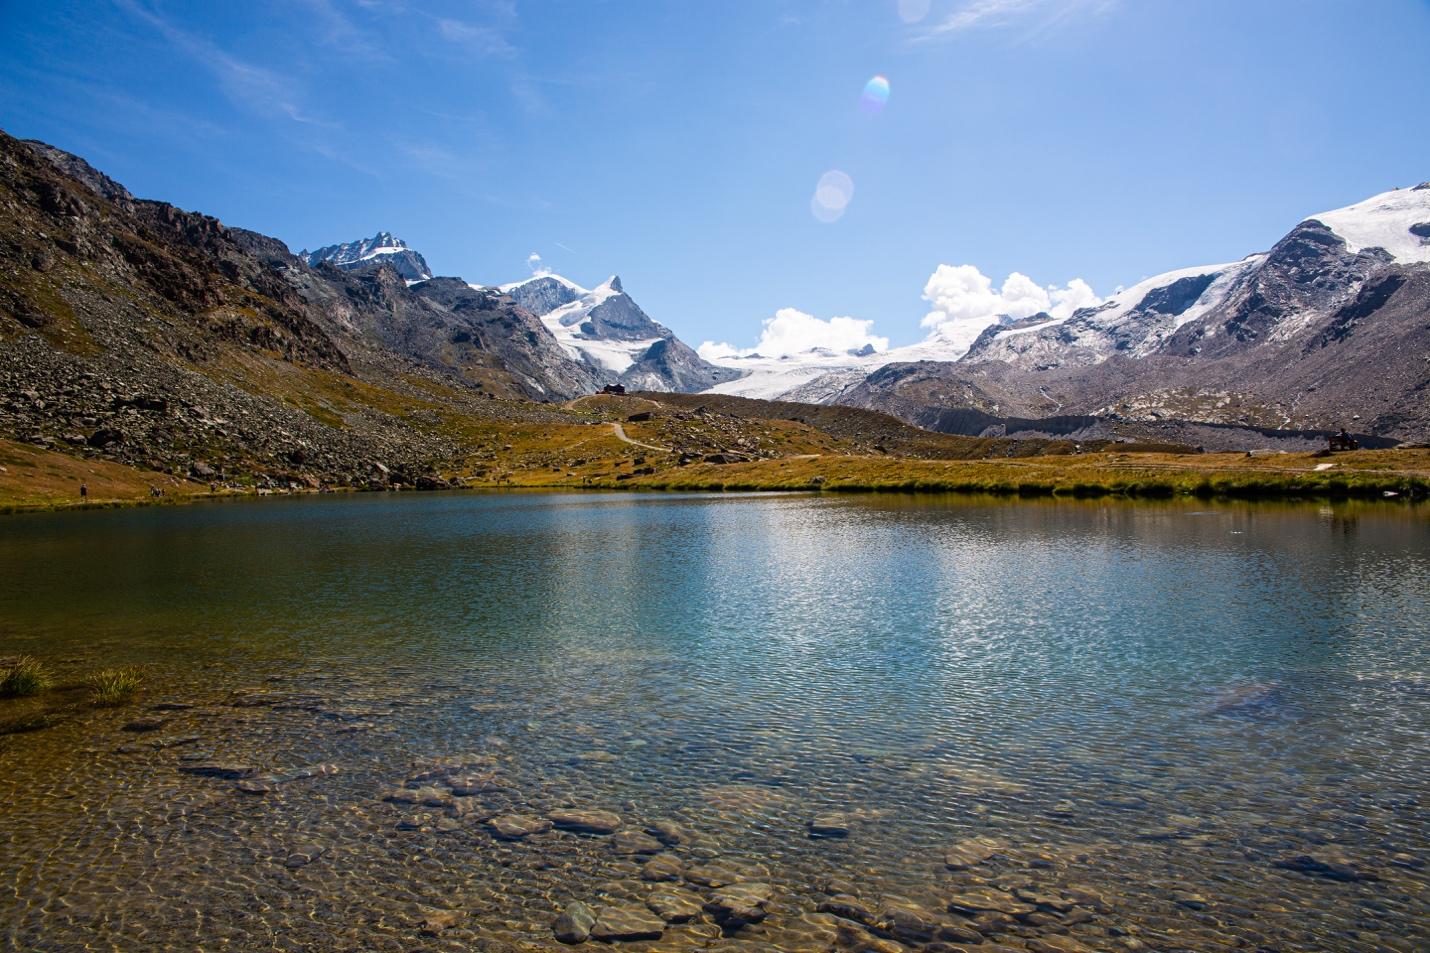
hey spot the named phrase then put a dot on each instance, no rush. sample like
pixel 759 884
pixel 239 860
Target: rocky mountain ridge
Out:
pixel 1317 333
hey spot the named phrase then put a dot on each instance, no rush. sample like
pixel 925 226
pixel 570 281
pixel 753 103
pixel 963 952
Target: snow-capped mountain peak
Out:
pixel 605 329
pixel 382 247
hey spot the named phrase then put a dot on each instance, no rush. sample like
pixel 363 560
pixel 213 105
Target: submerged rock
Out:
pixel 969 853
pixel 832 824
pixel 627 923
pixel 1331 865
pixel 674 905
pixel 586 822
pixel 517 826
pixel 985 899
pixel 574 924
pixel 263 783
pixel 663 867
pixel 634 842
pixel 668 832
pixel 435 921
pixel 218 769
pixel 739 904
pixel 848 907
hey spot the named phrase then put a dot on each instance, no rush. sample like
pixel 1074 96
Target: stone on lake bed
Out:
pixel 574 924
pixel 263 783
pixel 627 923
pixel 303 855
pixel 1056 943
pixel 668 832
pixel 586 822
pixel 674 905
pixel 851 939
pixel 663 867
pixel 1029 895
pixel 218 769
pixel 1332 865
pixel 1190 899
pixel 848 907
pixel 739 904
pixel 595 757
pixel 969 853
pixel 517 826
pixel 178 741
pixel 150 723
pixel 984 899
pixel 712 875
pixel 428 796
pixel 634 842
pixel 471 784
pixel 833 824
pixel 435 921
pixel 907 920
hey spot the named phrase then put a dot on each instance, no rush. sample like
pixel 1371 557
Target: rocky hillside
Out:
pixel 1329 328
pixel 149 335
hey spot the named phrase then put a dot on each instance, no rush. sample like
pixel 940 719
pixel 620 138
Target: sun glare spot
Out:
pixel 912 11
pixel 831 195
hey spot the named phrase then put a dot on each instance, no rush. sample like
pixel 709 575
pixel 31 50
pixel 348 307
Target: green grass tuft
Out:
pixel 114 686
pixel 23 677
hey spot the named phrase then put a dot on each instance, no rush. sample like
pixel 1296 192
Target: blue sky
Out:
pixel 680 144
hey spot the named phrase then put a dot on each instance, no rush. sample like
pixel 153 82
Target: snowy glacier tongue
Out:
pixel 1385 221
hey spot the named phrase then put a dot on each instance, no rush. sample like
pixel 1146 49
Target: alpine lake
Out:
pixel 475 722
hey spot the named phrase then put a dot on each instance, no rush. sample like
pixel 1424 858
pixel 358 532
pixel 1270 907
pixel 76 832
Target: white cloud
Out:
pixel 993 14
pixel 792 331
pixel 479 38
pixel 537 266
pixel 965 301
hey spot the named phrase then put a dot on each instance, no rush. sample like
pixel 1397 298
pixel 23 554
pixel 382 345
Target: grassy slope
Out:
pixel 577 446
pixel 33 478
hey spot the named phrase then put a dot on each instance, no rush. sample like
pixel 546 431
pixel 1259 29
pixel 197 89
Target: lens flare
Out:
pixel 876 94
pixel 831 195
pixel 912 11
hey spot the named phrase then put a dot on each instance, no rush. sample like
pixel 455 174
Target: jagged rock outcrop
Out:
pixel 383 248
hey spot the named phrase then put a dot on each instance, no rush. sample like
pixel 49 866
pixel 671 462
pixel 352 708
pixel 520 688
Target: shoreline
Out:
pixel 1390 489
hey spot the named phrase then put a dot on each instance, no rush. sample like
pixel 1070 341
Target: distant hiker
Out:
pixel 83 490
pixel 1342 440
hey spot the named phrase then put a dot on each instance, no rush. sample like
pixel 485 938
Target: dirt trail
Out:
pixel 620 432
